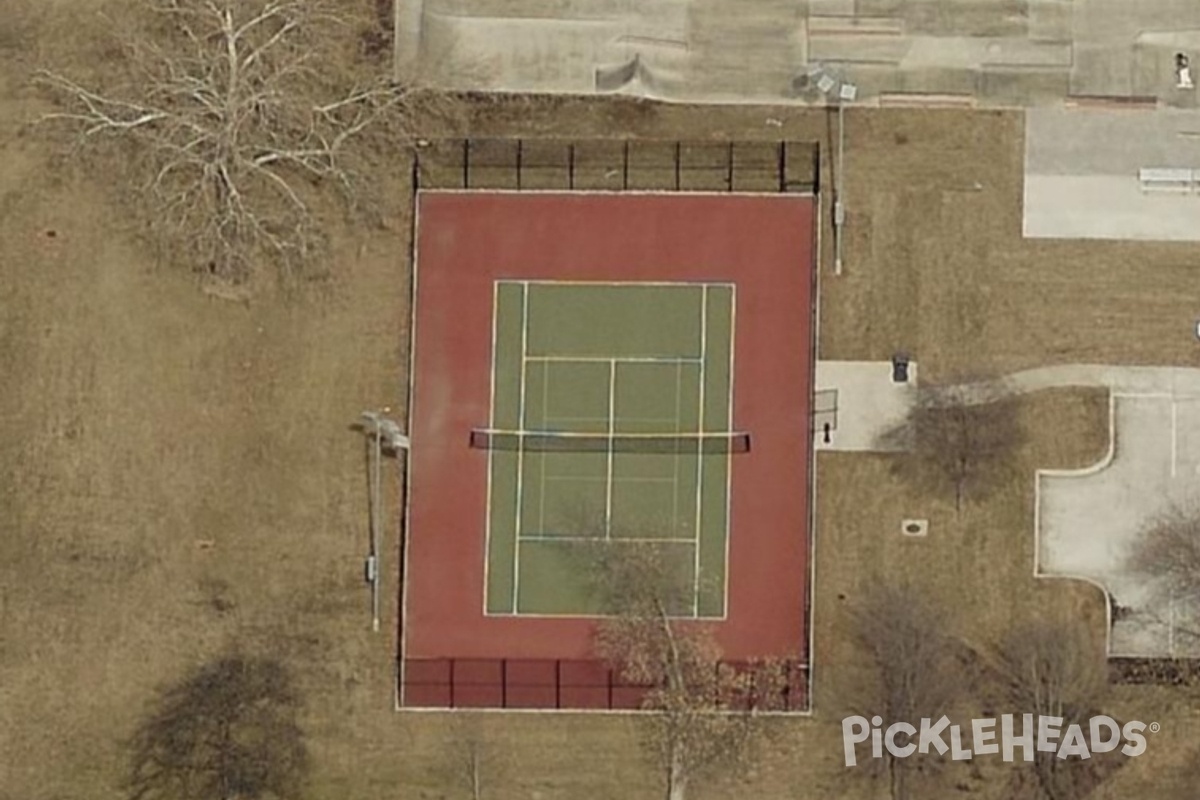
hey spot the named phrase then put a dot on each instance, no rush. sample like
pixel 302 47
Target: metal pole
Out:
pixel 376 516
pixel 839 210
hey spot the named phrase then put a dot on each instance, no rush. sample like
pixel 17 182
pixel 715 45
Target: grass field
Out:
pixel 177 476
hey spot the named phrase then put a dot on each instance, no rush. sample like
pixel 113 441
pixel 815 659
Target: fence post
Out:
pixel 783 167
pixel 520 158
pixel 816 168
pixel 466 164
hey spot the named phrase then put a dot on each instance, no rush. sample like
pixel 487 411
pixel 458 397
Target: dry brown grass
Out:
pixel 141 419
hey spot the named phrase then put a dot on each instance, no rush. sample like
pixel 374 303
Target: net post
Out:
pixel 466 170
pixel 453 661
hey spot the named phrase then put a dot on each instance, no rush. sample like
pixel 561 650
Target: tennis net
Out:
pixel 573 442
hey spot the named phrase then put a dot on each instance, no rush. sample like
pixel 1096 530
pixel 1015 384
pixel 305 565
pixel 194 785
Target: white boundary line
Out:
pixel 516 591
pixel 807 665
pixel 551 538
pixel 613 362
pixel 542 458
pixel 487 524
pixel 783 196
pixel 612 425
pixel 729 456
pixel 629 284
pixel 597 435
pixel 665 360
pixel 810 599
pixel 675 460
pixel 402 595
pixel 624 419
pixel 592 712
pixel 700 455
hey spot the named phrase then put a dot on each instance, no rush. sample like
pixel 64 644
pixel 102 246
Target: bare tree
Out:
pixel 239 117
pixel 1053 668
pixel 707 712
pixel 963 439
pixel 1166 553
pixel 913 674
pixel 473 760
pixel 227 730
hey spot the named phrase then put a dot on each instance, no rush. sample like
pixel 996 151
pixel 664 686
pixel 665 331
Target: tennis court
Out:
pixel 611 420
pixel 589 373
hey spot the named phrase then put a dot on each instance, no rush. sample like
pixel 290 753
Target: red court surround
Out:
pixel 466 241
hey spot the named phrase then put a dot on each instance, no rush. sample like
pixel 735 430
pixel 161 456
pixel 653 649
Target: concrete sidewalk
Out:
pixel 1082 170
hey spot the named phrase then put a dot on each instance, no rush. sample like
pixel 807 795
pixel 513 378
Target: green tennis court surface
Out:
pixel 598 365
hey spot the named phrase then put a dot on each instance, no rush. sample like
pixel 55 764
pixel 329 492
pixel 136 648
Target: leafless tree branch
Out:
pixel 961 440
pixel 708 712
pixel 240 129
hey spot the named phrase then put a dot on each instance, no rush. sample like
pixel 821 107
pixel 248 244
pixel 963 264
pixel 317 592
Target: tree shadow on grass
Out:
pixel 227 729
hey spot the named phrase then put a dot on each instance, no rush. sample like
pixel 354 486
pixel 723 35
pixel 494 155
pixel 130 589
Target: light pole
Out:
pixel 834 86
pixel 384 432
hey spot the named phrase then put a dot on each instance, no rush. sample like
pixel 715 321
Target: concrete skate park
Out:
pixel 988 52
pixel 1087 519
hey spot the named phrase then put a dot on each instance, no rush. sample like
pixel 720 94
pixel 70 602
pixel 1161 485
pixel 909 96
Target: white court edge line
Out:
pixel 675 460
pixel 551 538
pixel 542 461
pixel 814 351
pixel 700 456
pixel 612 424
pixel 779 196
pixel 585 479
pixel 729 456
pixel 398 692
pixel 487 523
pixel 402 595
pixel 516 590
pixel 703 286
pixel 634 284
pixel 686 435
pixel 619 360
